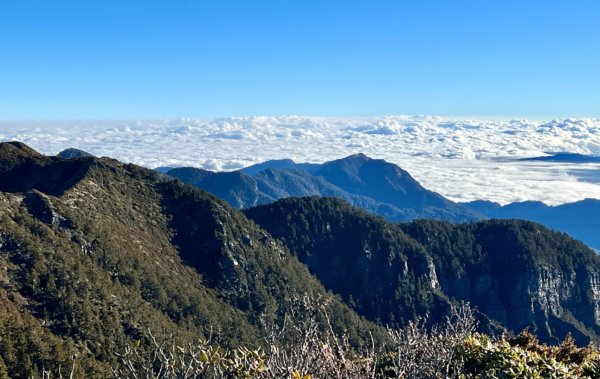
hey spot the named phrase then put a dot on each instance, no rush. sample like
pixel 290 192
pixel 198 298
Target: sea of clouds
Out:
pixel 459 158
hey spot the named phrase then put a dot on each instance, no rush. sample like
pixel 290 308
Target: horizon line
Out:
pixel 442 117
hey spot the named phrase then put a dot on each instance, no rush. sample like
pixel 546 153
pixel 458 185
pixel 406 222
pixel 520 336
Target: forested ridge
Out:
pixel 518 273
pixel 99 261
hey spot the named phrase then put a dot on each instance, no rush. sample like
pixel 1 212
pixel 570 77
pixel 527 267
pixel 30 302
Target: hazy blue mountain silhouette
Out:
pixel 580 219
pixel 280 164
pixel 382 181
pixel 372 184
pixel 566 158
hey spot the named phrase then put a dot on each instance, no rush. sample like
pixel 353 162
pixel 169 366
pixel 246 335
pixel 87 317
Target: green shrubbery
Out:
pixel 524 357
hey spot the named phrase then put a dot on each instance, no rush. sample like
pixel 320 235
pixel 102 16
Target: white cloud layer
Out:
pixel 461 159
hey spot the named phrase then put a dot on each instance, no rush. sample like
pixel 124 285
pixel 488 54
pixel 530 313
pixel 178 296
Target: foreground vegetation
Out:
pixel 305 348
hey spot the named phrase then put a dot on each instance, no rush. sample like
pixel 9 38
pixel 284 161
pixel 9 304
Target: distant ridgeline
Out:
pixel 385 189
pixel 375 185
pixel 566 158
pixel 94 253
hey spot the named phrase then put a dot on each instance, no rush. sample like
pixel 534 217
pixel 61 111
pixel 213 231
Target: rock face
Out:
pixel 40 207
pixel 518 273
pixel 593 284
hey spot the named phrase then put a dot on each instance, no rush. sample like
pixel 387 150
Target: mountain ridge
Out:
pixel 518 273
pixel 398 196
pixel 566 157
pixel 580 219
pixel 119 250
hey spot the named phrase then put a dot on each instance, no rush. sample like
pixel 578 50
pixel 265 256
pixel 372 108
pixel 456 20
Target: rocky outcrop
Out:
pixel 517 273
pixel 40 207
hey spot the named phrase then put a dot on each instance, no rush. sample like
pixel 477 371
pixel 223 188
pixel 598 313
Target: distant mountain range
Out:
pixel 372 184
pixel 385 189
pixel 580 219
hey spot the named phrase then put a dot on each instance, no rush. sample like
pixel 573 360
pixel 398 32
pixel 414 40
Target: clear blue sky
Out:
pixel 103 59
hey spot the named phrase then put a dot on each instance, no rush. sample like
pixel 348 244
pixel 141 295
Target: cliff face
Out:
pixel 517 273
pixel 574 294
pixel 593 285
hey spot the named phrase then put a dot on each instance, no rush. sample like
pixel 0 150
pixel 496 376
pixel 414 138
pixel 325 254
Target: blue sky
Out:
pixel 166 59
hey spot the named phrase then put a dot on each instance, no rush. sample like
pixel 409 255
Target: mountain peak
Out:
pixel 72 153
pixel 274 163
pixel 15 153
pixel 366 176
pixel 16 147
pixel 354 158
pixel 360 156
pixel 22 169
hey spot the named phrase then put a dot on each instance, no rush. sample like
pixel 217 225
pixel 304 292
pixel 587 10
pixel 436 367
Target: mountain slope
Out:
pixel 279 164
pixel 238 189
pixel 517 273
pixel 96 253
pixel 371 263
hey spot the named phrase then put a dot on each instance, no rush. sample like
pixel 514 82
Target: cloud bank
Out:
pixel 459 158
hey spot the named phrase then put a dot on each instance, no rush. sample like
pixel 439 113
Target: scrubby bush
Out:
pixel 419 352
pixel 301 348
pixel 524 357
pixel 305 348
pixel 167 360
